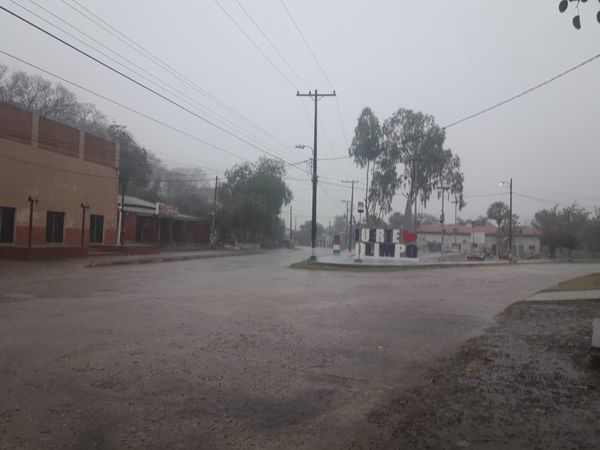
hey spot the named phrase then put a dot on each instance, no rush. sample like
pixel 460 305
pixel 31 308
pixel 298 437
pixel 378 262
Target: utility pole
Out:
pixel 313 231
pixel 290 225
pixel 214 214
pixel 443 189
pixel 351 213
pixel 347 221
pixel 122 216
pixel 329 234
pixel 510 225
pixel 455 202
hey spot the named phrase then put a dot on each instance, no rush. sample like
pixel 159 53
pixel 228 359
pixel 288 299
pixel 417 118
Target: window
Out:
pixel 96 229
pixel 7 224
pixel 55 222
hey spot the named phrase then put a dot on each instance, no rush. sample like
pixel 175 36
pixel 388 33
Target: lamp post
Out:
pixel 32 201
pixel 360 208
pixel 84 206
pixel 510 215
pixel 313 227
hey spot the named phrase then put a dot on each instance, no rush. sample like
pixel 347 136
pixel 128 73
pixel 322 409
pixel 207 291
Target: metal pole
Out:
pixel 214 213
pixel 290 224
pixel 510 226
pixel 83 208
pixel 32 200
pixel 122 223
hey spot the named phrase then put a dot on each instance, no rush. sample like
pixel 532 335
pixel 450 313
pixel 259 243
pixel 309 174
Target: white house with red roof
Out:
pixel 468 239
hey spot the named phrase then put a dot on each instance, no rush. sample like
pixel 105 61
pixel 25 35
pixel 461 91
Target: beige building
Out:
pixel 57 187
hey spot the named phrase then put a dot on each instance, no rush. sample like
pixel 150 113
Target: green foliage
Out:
pixel 396 220
pixel 480 221
pixel 567 228
pixel 339 224
pixel 303 234
pixel 251 200
pixel 406 153
pixel 366 150
pixel 498 212
pixel 428 219
pixel 414 141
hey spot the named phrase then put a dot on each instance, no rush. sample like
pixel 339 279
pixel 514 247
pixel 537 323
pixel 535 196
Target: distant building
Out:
pixel 466 239
pixel 57 187
pixel 160 224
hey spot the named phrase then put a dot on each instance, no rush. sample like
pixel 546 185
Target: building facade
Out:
pixel 160 224
pixel 57 187
pixel 478 240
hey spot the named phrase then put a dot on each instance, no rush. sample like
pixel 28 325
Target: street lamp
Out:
pixel 313 228
pixel 510 215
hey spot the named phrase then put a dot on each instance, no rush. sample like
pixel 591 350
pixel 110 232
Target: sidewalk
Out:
pixel 115 260
pixel 565 295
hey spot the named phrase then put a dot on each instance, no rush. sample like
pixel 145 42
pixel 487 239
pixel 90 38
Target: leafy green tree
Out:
pixel 480 221
pixel 498 212
pixel 251 200
pixel 303 234
pixel 366 150
pixel 428 219
pixel 339 224
pixel 563 229
pixel 413 142
pixel 135 166
pixel 396 220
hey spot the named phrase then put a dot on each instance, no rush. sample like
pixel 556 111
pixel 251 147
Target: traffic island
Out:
pixel 372 266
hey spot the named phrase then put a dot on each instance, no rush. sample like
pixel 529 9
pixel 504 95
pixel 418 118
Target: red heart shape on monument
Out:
pixel 407 236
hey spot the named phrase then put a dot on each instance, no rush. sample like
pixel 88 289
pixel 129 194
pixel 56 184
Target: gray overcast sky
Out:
pixel 448 59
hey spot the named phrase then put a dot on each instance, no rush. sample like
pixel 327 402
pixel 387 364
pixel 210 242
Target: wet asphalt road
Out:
pixel 233 352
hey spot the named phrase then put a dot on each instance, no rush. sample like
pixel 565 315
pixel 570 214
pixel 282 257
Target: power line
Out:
pixel 270 61
pixel 306 43
pixel 161 83
pixel 128 108
pixel 525 92
pixel 141 50
pixel 142 85
pixel 264 35
pixel 178 93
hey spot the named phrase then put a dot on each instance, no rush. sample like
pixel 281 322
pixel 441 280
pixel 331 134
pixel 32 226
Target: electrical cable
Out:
pixel 117 34
pixel 525 92
pixel 142 85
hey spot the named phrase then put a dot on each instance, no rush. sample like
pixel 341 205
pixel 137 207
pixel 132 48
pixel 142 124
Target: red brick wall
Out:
pixel 26 253
pixel 15 124
pixel 201 232
pixel 58 138
pixel 110 237
pixel 38 235
pixel 99 151
pixel 129 230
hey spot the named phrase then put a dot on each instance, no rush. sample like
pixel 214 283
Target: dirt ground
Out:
pixel 526 383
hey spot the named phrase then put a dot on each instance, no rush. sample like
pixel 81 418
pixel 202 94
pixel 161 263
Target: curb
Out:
pixel 159 259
